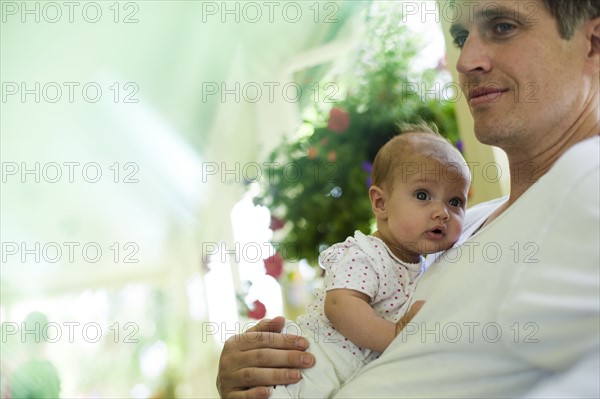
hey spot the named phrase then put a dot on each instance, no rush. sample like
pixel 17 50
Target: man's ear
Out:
pixel 377 196
pixel 592 34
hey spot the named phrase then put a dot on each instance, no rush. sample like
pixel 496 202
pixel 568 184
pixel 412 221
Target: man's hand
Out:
pixel 259 358
pixel 412 312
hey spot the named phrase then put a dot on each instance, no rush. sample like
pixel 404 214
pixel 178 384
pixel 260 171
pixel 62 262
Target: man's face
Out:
pixel 523 82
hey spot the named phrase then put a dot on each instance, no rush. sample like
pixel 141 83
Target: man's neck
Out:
pixel 525 172
pixel 532 157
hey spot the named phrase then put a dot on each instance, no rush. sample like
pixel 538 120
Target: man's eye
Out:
pixel 459 40
pixel 421 196
pixel 503 27
pixel 455 202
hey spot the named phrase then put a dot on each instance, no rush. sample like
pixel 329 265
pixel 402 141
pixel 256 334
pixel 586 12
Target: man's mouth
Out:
pixel 485 94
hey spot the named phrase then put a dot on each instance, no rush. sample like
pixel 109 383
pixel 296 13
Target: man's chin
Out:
pixel 488 133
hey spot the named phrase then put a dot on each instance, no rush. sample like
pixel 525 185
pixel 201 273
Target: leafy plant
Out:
pixel 319 182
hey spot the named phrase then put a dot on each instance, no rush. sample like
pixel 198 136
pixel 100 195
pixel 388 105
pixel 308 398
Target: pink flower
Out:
pixel 312 152
pixel 339 120
pixel 258 311
pixel 274 265
pixel 276 223
pixel 442 63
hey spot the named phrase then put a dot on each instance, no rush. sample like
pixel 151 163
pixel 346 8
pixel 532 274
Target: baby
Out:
pixel 418 197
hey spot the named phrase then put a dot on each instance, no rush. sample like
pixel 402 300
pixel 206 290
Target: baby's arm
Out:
pixel 355 319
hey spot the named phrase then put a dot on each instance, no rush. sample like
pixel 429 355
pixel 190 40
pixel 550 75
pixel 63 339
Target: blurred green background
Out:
pixel 128 132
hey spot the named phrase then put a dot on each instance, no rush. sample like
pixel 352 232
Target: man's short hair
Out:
pixel 569 14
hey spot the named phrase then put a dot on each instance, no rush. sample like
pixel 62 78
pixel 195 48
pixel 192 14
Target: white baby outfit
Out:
pixel 361 263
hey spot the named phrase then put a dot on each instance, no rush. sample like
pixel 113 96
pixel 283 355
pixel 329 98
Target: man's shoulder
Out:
pixel 578 161
pixel 481 211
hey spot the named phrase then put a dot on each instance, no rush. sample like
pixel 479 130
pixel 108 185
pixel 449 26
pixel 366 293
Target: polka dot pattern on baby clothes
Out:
pixel 363 263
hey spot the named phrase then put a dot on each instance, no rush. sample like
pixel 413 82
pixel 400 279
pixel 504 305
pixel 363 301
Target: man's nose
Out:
pixel 473 56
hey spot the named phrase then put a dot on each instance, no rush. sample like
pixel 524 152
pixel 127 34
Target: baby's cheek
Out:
pixel 456 229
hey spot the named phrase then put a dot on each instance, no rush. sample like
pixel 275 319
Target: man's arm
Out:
pixel 580 381
pixel 261 357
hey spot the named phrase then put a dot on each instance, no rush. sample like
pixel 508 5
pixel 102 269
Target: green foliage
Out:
pixel 319 183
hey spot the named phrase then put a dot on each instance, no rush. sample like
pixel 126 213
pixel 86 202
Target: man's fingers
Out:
pixel 257 340
pixel 257 377
pixel 256 359
pixel 252 393
pixel 260 358
pixel 269 325
pixel 259 336
pixel 274 358
pixel 261 367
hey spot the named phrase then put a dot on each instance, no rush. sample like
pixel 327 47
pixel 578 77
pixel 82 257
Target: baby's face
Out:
pixel 426 206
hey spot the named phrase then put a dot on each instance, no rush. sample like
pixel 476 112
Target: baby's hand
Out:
pixel 409 316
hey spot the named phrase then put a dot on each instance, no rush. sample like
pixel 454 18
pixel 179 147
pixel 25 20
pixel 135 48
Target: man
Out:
pixel 513 311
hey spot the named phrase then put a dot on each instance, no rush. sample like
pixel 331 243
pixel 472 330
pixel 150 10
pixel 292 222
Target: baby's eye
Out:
pixel 455 202
pixel 422 195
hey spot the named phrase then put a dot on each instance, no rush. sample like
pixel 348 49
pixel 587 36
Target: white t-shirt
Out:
pixel 514 310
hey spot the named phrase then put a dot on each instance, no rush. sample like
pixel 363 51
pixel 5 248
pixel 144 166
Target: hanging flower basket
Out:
pixel 326 199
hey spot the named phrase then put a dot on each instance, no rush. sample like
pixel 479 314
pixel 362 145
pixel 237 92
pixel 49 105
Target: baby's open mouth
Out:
pixel 437 233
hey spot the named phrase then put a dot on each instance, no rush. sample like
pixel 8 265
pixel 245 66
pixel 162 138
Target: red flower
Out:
pixel 331 156
pixel 276 223
pixel 274 265
pixel 312 152
pixel 258 311
pixel 339 120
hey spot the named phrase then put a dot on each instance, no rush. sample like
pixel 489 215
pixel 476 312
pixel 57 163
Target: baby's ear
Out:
pixel 377 196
